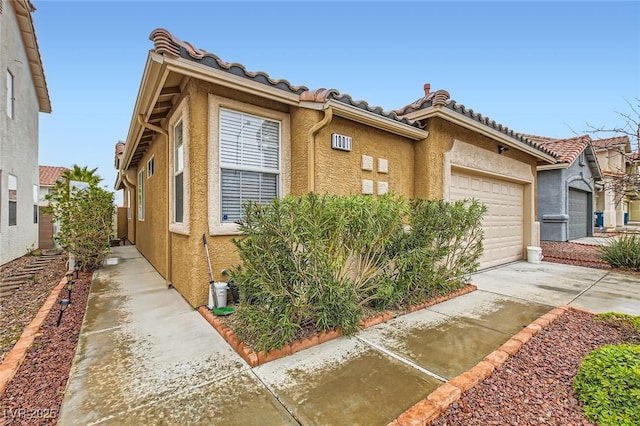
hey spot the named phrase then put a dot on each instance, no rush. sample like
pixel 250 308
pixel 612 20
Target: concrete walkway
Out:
pixel 146 357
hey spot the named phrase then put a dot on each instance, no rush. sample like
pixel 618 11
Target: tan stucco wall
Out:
pixel 122 222
pixel 302 120
pixel 634 211
pixel 151 234
pixel 340 172
pixel 430 153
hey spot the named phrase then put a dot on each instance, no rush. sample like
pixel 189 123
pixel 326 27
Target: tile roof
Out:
pixel 49 175
pixel 166 43
pixel 610 142
pixel 441 98
pixel 566 150
pixel 322 95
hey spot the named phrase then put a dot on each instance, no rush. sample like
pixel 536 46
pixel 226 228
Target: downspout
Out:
pixel 165 133
pixel 311 153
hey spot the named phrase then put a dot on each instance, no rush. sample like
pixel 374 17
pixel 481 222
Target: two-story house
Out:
pixel 24 96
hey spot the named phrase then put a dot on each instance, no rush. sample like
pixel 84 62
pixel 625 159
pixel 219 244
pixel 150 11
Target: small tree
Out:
pixel 628 179
pixel 85 216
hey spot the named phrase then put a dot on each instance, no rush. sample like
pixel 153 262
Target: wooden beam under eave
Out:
pixel 173 90
pixel 159 106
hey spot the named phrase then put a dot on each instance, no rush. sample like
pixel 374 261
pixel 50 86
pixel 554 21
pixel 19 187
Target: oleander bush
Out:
pixel 623 252
pixel 319 262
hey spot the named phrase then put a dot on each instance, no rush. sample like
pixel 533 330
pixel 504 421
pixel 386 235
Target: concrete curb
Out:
pixel 254 359
pixel 430 408
pixel 16 356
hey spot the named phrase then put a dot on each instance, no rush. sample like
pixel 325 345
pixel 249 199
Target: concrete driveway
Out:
pixel 146 357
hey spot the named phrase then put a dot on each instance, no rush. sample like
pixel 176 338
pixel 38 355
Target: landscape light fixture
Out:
pixel 69 288
pixel 64 303
pixel 76 268
pixel 69 276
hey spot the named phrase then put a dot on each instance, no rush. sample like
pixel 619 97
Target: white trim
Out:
pixel 140 194
pixel 216 227
pixel 11 93
pixel 181 113
pixel 151 166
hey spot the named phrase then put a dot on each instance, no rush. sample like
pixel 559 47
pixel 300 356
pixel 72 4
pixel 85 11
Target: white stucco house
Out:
pixel 24 96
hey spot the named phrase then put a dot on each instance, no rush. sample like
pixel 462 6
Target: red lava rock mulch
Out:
pixel 573 254
pixel 534 386
pixel 34 395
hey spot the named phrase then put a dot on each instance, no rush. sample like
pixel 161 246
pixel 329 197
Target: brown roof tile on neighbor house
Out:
pixel 610 142
pixel 49 175
pixel 566 150
pixel 166 43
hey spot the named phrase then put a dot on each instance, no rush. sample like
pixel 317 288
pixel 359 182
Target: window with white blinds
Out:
pixel 249 161
pixel 178 173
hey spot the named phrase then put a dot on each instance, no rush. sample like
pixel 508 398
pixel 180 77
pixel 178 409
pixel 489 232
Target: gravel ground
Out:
pixel 577 254
pixel 18 309
pixel 35 394
pixel 534 387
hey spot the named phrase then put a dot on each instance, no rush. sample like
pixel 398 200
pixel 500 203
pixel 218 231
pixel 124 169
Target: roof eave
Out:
pixel 471 124
pixel 374 120
pixel 206 73
pixel 153 77
pixel 28 33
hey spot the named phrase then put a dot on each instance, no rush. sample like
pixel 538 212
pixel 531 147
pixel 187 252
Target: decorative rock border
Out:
pixel 254 359
pixel 16 356
pixel 430 408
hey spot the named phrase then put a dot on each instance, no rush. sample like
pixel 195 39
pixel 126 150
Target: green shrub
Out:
pixel 608 385
pixel 315 262
pixel 623 252
pixel 632 320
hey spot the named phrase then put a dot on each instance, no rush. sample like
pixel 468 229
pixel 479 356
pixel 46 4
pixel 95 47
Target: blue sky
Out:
pixel 547 68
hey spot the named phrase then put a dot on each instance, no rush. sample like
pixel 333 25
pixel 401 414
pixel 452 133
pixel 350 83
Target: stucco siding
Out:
pixel 342 172
pixel 152 231
pixel 553 200
pixel 18 141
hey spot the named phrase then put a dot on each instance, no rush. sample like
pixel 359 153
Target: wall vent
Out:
pixel 341 142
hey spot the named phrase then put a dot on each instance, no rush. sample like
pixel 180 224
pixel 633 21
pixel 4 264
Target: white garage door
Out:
pixel 503 222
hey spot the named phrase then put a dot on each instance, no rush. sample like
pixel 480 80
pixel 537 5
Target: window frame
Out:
pixel 216 104
pixel 180 115
pixel 12 200
pixel 151 166
pixel 141 195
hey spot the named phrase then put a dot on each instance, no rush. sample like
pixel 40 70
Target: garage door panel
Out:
pixel 578 214
pixel 503 222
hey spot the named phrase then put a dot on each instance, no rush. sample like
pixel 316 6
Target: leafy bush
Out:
pixel 86 218
pixel 623 252
pixel 631 320
pixel 315 262
pixel 608 385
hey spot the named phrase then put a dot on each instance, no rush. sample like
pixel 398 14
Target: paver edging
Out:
pixel 254 359
pixel 18 353
pixel 452 390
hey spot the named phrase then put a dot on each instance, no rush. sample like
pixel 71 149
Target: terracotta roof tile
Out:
pixel 610 142
pixel 119 148
pixel 166 43
pixel 441 99
pixel 49 175
pixel 323 95
pixel 566 150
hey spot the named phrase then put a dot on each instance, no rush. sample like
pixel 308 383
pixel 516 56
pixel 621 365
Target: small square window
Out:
pixel 10 94
pixel 151 167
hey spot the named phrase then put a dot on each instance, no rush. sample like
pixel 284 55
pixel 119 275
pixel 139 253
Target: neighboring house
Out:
pixel 613 158
pixel 207 135
pixel 566 189
pixel 49 175
pixel 24 96
pixel 633 193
